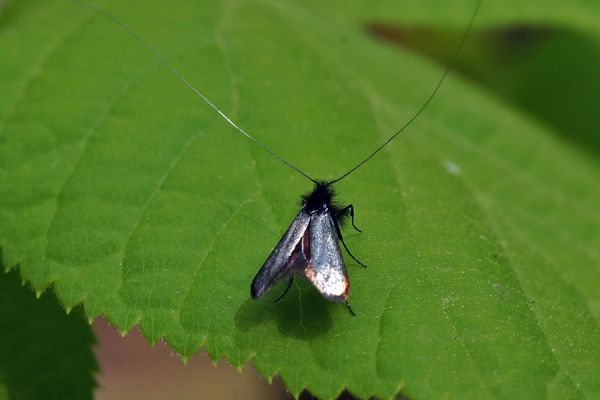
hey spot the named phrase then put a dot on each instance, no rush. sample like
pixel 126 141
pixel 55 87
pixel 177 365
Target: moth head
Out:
pixel 320 197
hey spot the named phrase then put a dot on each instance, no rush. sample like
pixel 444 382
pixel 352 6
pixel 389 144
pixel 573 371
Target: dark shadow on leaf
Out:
pixel 303 313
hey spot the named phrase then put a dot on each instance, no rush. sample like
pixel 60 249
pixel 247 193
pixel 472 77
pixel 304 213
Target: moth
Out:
pixel 310 246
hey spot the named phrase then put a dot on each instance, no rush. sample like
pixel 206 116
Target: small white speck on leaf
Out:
pixel 445 302
pixel 451 167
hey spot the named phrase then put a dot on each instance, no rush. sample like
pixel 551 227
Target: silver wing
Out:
pixel 325 269
pixel 289 255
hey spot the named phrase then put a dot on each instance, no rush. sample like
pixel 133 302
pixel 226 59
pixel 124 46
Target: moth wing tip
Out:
pixel 255 291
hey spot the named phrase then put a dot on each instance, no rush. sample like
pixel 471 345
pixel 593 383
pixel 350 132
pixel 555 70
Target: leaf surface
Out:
pixel 131 196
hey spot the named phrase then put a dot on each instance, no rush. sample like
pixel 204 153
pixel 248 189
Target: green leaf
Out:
pixel 132 197
pixel 3 392
pixel 44 353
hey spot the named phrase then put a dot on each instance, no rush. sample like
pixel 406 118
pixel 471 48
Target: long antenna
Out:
pixel 173 71
pixel 424 106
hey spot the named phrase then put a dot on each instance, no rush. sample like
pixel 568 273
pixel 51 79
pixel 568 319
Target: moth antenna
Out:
pixel 424 106
pixel 181 78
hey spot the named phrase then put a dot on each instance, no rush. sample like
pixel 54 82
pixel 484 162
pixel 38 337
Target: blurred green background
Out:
pixel 552 74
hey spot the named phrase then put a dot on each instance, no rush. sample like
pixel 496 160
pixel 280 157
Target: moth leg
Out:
pixel 286 290
pixel 350 308
pixel 339 232
pixel 350 208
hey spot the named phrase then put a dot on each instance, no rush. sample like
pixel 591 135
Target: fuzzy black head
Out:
pixel 323 195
